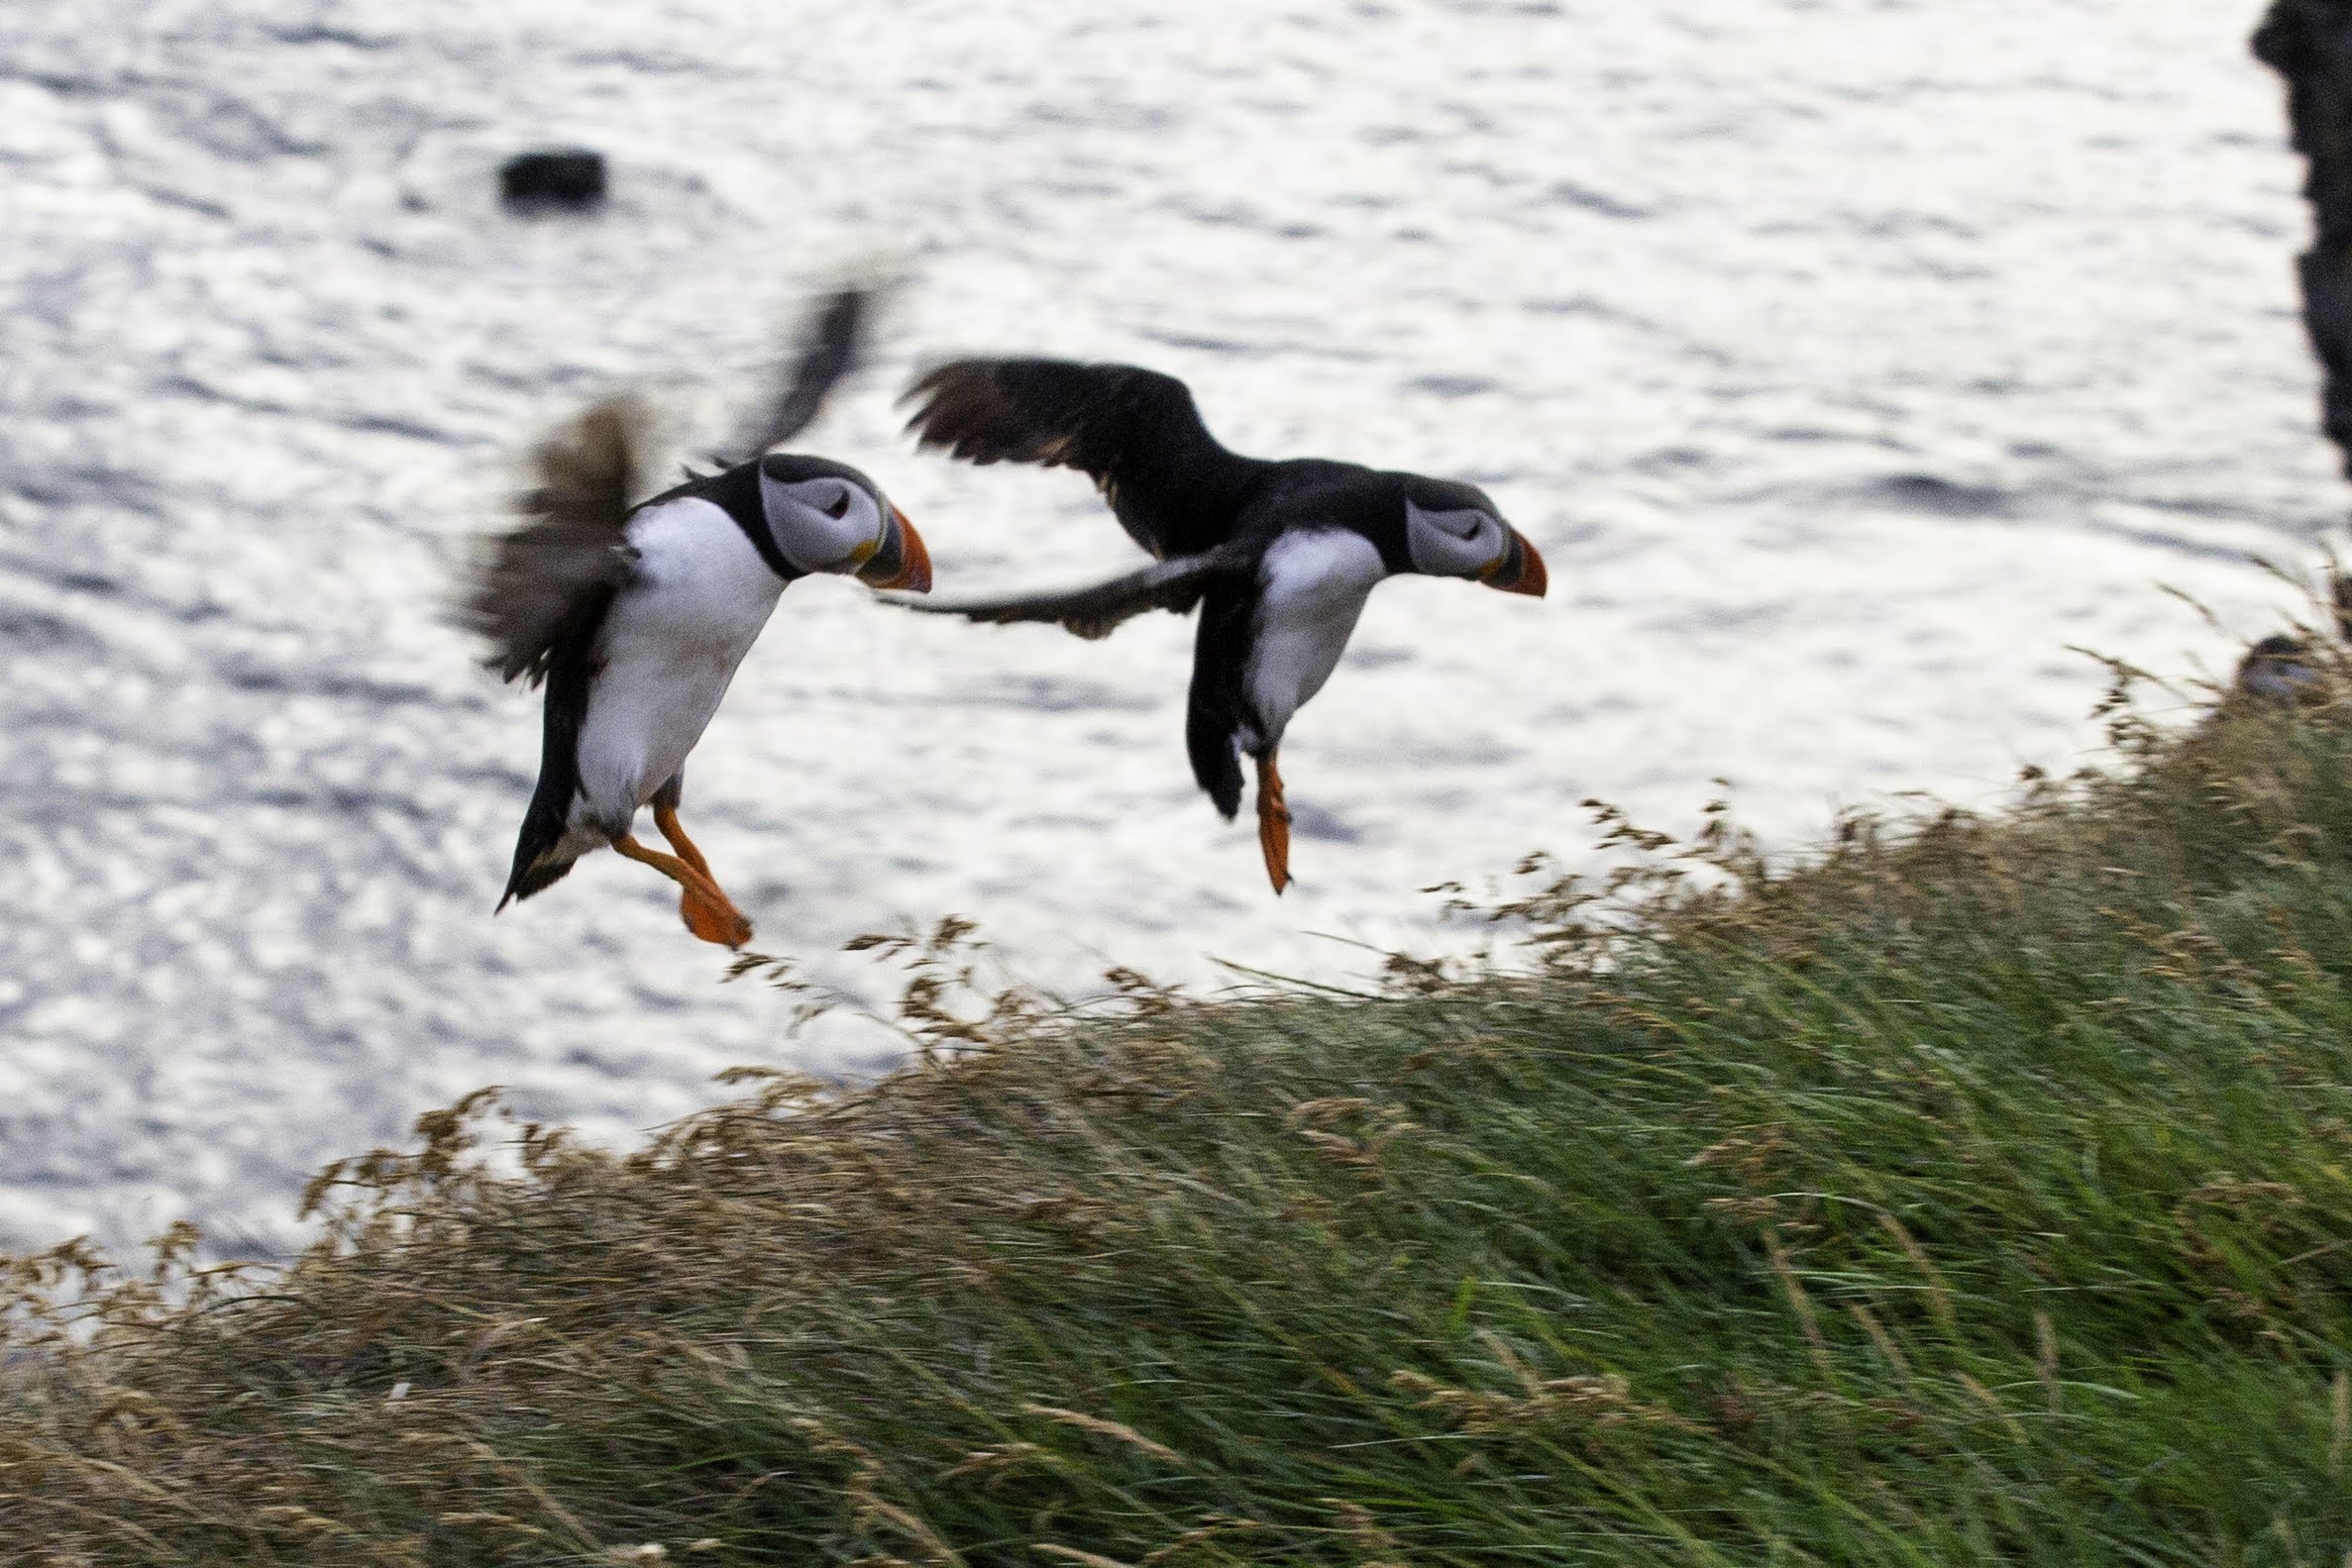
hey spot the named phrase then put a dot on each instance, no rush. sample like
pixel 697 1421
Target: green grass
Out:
pixel 1981 1192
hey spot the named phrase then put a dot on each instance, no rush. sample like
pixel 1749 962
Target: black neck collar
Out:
pixel 736 492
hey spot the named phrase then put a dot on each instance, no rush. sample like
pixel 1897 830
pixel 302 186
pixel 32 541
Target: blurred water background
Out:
pixel 1847 359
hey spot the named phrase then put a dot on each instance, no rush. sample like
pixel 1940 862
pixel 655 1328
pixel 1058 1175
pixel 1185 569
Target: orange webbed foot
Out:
pixel 707 913
pixel 713 919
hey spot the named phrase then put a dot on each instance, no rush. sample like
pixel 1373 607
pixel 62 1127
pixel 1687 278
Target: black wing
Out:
pixel 831 345
pixel 1134 432
pixel 570 666
pixel 1217 704
pixel 531 584
pixel 1097 610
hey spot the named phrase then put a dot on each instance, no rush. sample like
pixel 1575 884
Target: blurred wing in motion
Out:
pixel 831 345
pixel 1134 432
pixel 531 585
pixel 1097 611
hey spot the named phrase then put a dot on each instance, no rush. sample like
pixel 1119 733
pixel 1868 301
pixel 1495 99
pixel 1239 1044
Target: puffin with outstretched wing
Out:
pixel 1278 557
pixel 635 615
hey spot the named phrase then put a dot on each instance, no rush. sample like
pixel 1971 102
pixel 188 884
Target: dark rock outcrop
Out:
pixel 2310 43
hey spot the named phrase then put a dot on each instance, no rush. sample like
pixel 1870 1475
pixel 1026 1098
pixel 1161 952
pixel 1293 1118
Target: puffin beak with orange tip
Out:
pixel 1518 569
pixel 902 562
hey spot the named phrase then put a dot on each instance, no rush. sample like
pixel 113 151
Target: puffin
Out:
pixel 1279 556
pixel 2286 669
pixel 634 616
pixel 2280 671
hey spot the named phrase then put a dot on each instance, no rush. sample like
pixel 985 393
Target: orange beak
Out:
pixel 903 562
pixel 1521 570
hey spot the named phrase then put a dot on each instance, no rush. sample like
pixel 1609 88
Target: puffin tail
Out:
pixel 539 858
pixel 1215 761
pixel 539 861
pixel 1213 707
pixel 536 875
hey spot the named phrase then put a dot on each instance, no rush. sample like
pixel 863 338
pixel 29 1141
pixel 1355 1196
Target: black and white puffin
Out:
pixel 1279 556
pixel 635 616
pixel 2286 668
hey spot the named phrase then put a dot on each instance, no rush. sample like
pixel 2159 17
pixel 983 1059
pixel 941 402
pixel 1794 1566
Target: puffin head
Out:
pixel 1454 531
pixel 2281 671
pixel 827 516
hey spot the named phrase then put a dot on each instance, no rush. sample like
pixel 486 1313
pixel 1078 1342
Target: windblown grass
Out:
pixel 1982 1192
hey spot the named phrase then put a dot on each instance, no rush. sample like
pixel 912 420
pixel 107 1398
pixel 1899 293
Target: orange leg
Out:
pixel 708 912
pixel 712 922
pixel 1273 823
pixel 665 817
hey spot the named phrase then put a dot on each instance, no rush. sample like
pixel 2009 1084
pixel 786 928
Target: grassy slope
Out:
pixel 1982 1195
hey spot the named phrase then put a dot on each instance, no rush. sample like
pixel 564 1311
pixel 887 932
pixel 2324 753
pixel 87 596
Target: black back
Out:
pixel 1134 432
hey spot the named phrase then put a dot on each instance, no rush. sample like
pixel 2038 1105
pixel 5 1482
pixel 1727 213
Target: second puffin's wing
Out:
pixel 829 346
pixel 530 585
pixel 1098 610
pixel 1218 703
pixel 1134 432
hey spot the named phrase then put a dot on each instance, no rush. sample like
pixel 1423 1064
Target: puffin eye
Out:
pixel 1461 525
pixel 839 505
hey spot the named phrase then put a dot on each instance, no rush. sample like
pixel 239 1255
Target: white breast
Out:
pixel 691 609
pixel 1312 587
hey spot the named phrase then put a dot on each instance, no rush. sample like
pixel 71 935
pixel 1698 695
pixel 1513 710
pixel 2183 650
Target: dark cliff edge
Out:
pixel 2309 44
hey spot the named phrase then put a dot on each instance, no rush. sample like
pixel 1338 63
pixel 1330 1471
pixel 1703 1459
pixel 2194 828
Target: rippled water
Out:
pixel 1848 361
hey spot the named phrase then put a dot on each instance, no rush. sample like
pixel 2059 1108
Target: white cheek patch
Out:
pixel 1450 544
pixel 810 538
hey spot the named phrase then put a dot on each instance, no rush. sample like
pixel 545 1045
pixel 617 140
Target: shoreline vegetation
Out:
pixel 1980 1189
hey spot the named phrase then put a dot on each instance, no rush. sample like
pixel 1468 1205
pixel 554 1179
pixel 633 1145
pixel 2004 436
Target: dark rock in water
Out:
pixel 564 176
pixel 2310 43
pixel 1932 492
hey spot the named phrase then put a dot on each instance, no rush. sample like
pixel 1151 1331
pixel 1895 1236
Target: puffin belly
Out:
pixel 669 649
pixel 643 719
pixel 1312 587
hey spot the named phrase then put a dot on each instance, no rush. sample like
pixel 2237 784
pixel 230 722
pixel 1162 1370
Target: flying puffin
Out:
pixel 636 616
pixel 1279 556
